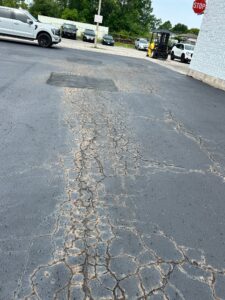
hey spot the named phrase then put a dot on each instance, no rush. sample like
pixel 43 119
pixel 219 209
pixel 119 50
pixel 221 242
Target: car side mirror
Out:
pixel 30 22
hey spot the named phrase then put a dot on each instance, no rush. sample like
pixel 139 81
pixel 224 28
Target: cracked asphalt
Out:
pixel 112 180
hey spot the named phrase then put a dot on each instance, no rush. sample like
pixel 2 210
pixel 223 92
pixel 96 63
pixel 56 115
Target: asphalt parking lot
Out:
pixel 127 52
pixel 112 178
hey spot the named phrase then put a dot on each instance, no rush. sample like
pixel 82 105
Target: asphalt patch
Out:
pixel 81 82
pixel 84 61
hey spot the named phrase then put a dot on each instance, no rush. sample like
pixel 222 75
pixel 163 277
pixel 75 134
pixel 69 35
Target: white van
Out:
pixel 20 23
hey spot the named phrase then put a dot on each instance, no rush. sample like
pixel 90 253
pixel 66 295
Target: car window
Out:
pixel 5 13
pixel 189 47
pixel 182 47
pixel 20 16
pixel 178 46
pixel 109 37
pixel 89 31
pixel 29 16
pixel 68 26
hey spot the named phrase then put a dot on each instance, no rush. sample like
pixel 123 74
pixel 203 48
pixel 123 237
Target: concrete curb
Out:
pixel 213 81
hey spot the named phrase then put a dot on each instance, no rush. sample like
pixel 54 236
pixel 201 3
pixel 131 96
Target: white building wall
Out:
pixel 81 26
pixel 208 63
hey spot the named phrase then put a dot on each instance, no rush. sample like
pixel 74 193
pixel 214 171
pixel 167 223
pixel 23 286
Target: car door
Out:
pixel 181 49
pixel 6 21
pixel 177 51
pixel 21 27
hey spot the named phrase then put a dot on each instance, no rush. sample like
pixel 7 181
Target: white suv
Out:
pixel 184 52
pixel 21 24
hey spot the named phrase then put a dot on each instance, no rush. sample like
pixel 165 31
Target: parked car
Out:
pixel 141 44
pixel 108 40
pixel 89 35
pixel 69 31
pixel 21 24
pixel 182 51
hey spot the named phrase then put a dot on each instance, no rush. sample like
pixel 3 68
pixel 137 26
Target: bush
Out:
pixel 70 14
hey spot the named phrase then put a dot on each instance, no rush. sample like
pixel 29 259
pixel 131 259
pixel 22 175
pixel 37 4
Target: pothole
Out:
pixel 82 82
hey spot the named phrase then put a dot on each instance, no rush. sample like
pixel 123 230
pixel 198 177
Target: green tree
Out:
pixel 84 15
pixel 194 31
pixel 166 25
pixel 70 14
pixel 180 28
pixel 134 16
pixel 62 4
pixel 10 3
pixel 45 7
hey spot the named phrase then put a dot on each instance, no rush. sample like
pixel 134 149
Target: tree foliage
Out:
pixel 46 8
pixel 133 16
pixel 13 3
pixel 70 14
pixel 194 31
pixel 166 25
pixel 180 28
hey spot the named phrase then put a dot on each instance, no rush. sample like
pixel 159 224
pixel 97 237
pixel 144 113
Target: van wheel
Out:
pixel 172 56
pixel 44 40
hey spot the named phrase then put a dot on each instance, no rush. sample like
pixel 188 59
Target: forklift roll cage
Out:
pixel 158 46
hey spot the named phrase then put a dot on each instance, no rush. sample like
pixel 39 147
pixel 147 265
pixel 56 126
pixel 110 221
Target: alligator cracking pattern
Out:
pixel 94 257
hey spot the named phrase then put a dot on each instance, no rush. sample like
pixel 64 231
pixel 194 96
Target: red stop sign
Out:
pixel 199 6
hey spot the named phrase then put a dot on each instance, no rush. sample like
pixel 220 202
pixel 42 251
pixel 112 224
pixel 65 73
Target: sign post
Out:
pixel 98 19
pixel 199 6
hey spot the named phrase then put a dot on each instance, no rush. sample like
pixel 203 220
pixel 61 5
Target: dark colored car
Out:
pixel 108 40
pixel 89 35
pixel 69 31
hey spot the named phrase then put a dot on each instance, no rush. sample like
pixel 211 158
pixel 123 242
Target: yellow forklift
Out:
pixel 158 46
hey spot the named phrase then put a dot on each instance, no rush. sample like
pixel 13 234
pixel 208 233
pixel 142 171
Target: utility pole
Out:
pixel 97 25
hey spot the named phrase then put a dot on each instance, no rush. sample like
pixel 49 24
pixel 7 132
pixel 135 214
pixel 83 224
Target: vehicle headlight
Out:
pixel 188 53
pixel 55 31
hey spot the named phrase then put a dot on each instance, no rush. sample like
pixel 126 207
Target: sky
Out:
pixel 177 11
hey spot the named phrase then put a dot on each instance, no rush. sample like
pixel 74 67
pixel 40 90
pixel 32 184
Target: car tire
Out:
pixel 183 60
pixel 172 56
pixel 44 40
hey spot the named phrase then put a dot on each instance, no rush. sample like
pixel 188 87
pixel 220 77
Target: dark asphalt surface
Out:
pixel 112 179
